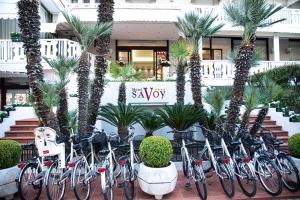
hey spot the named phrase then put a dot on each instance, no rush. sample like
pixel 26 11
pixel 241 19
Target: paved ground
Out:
pixel 215 192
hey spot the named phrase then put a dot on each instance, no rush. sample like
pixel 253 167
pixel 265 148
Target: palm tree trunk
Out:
pixel 53 122
pixel 259 120
pixel 242 66
pixel 29 24
pixel 122 93
pixel 123 132
pixel 196 79
pixel 180 83
pixel 245 121
pixel 83 92
pixel 105 14
pixel 62 113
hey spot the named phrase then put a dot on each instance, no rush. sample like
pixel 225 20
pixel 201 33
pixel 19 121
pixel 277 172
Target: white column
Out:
pixel 276 47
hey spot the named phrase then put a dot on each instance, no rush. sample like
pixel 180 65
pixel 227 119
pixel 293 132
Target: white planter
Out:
pixel 297 162
pixel 157 181
pixel 8 185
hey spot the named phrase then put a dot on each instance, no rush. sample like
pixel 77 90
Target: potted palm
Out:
pixel 151 122
pixel 121 116
pixel 157 175
pixel 181 117
pixel 10 154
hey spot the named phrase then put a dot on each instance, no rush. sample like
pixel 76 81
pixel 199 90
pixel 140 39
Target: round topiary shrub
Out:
pixel 156 151
pixel 10 153
pixel 294 145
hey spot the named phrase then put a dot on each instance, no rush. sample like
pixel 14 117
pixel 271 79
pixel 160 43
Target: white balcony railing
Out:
pixel 51 48
pixel 129 11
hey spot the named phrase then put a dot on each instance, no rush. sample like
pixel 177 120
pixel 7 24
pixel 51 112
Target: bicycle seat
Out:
pixel 77 147
pixel 235 143
pixel 277 142
pixel 190 144
pixel 217 147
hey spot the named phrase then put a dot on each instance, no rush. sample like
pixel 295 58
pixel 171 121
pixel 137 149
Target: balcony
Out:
pixel 168 12
pixel 12 57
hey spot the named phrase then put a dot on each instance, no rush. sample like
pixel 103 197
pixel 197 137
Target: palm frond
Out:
pixel 216 99
pixel 179 116
pixel 180 50
pixel 151 122
pixel 251 14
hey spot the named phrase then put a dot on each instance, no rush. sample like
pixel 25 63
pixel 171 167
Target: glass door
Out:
pixel 159 58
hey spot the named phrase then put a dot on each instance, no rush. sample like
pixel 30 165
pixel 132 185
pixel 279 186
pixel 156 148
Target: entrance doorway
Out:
pixel 146 59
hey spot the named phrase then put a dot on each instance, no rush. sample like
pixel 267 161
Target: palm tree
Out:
pixel 29 24
pixel 150 122
pixel 216 98
pixel 105 14
pixel 269 91
pixel 193 28
pixel 124 73
pixel 251 102
pixel 63 67
pixel 86 36
pixel 251 15
pixel 51 99
pixel 121 116
pixel 180 51
pixel 180 117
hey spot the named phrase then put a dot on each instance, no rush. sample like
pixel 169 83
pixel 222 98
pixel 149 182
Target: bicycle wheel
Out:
pixel 80 185
pixel 246 178
pixel 207 164
pixel 107 188
pixel 184 164
pixel 28 188
pixel 289 172
pixel 55 188
pixel 268 175
pixel 226 179
pixel 128 184
pixel 200 181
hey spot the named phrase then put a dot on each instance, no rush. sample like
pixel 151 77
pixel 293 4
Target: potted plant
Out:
pixel 157 175
pixel 3 114
pixel 294 148
pixel 15 37
pixel 151 122
pixel 121 116
pixel 10 154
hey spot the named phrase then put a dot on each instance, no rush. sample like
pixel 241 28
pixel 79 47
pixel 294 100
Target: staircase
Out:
pixel 22 131
pixel 276 129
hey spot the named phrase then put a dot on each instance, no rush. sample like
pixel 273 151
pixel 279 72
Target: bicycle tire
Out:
pixel 38 188
pixel 184 164
pixel 250 178
pixel 78 166
pixel 48 176
pixel 223 169
pixel 107 190
pixel 207 163
pixel 200 182
pixel 296 185
pixel 128 184
pixel 264 159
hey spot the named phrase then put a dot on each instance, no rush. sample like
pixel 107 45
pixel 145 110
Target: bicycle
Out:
pixel 266 169
pixel 220 160
pixel 32 175
pixel 57 175
pixel 243 165
pixel 192 168
pixel 285 164
pixel 129 163
pixel 85 171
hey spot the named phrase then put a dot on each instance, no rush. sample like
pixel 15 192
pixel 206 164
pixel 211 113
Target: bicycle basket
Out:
pixel 186 135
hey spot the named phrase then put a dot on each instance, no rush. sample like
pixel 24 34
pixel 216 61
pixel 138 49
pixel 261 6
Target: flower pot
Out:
pixel 297 162
pixel 157 181
pixel 8 185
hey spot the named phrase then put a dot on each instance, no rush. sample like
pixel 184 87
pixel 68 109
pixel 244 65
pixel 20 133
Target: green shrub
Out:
pixel 294 145
pixel 10 153
pixel 156 151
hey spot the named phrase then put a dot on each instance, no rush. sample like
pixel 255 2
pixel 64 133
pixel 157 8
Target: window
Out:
pixel 86 1
pixel 261 46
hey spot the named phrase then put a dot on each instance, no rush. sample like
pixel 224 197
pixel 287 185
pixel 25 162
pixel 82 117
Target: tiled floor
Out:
pixel 215 192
